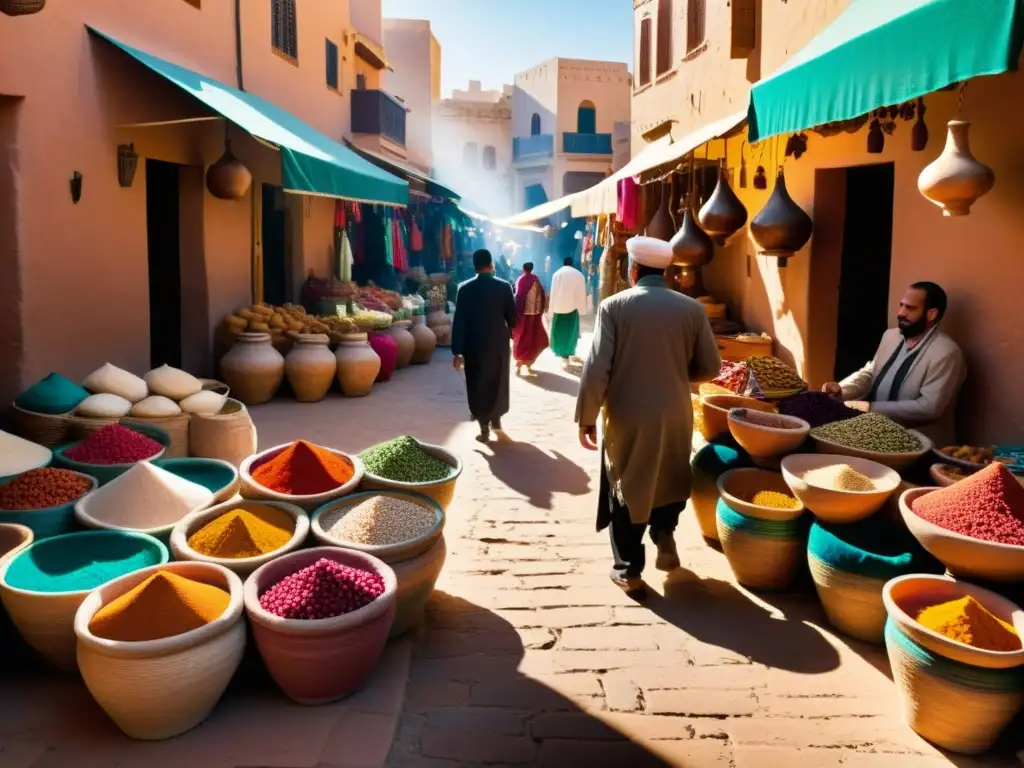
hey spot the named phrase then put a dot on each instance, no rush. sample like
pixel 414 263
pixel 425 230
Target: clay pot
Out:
pixel 424 339
pixel 406 343
pixel 691 246
pixel 387 350
pixel 310 367
pixel 357 365
pixel 955 179
pixel 781 228
pixel 661 225
pixel 723 214
pixel 228 178
pixel 253 368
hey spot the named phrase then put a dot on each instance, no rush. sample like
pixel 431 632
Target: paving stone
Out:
pixel 475 747
pixel 693 702
pixel 607 639
pixel 621 694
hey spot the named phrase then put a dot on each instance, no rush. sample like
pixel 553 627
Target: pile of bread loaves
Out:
pixel 164 391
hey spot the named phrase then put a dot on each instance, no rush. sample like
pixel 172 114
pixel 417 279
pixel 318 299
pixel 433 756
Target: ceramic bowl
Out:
pixel 104 473
pixel 896 461
pixel 831 504
pixel 963 556
pixel 906 596
pixel 309 502
pixel 945 474
pixel 715 412
pixel 51 521
pixel 13 539
pixel 220 477
pixel 441 491
pixel 766 436
pixel 737 486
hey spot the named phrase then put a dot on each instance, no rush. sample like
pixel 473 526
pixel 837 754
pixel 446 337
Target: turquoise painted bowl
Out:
pixel 104 473
pixel 51 521
pixel 220 477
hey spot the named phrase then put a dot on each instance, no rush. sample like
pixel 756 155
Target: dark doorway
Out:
pixel 275 261
pixel 863 313
pixel 163 235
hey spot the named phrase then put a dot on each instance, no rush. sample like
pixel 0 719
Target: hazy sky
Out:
pixel 491 40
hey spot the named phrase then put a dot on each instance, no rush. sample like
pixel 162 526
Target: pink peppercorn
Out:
pixel 113 444
pixel 322 590
pixel 988 505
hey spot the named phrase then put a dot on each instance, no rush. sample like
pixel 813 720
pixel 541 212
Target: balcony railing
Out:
pixel 536 147
pixel 377 112
pixel 587 143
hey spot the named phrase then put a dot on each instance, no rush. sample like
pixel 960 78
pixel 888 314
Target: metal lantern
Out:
pixel 723 214
pixel 782 227
pixel 228 178
pixel 692 250
pixel 76 186
pixel 660 225
pixel 21 7
pixel 127 164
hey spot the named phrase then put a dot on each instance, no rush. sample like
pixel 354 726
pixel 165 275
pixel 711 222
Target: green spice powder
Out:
pixel 404 461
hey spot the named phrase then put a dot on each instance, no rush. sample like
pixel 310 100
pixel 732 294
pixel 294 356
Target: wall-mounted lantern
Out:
pixel 76 187
pixel 127 163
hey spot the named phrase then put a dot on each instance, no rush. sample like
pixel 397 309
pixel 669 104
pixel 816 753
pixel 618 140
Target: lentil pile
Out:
pixel 164 605
pixel 244 533
pixel 378 521
pixel 988 505
pixel 775 500
pixel 816 408
pixel 322 590
pixel 304 469
pixel 969 622
pixel 772 373
pixel 42 489
pixel 839 477
pixel 113 444
pixel 403 460
pixel 869 432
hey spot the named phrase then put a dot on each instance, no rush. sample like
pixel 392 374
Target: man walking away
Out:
pixel 650 343
pixel 485 314
pixel 568 302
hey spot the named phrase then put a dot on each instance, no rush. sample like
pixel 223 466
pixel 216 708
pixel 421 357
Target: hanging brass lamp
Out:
pixel 692 250
pixel 228 178
pixel 660 225
pixel 723 214
pixel 782 227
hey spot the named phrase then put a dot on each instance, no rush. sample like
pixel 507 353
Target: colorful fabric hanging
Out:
pixel 628 203
pixel 345 259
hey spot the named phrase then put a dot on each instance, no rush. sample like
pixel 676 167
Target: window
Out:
pixel 586 118
pixel 469 158
pixel 284 28
pixel 490 158
pixel 664 63
pixel 695 12
pixel 644 65
pixel 331 57
pixel 535 125
pixel 744 28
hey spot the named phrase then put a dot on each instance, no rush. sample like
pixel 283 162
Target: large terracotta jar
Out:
pixel 310 367
pixel 357 365
pixel 425 340
pixel 253 368
pixel 954 180
pixel 406 343
pixel 387 350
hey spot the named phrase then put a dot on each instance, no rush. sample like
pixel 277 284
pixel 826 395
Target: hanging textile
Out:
pixel 416 237
pixel 628 203
pixel 345 259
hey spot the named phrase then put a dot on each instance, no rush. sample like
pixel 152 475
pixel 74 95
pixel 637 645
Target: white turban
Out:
pixel 650 252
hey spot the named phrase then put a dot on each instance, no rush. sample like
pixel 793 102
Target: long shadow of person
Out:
pixel 552 382
pixel 534 473
pixel 469 703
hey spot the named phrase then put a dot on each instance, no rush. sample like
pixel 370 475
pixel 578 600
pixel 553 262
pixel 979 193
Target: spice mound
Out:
pixel 816 408
pixel 113 444
pixel 42 489
pixel 322 590
pixel 775 500
pixel 405 461
pixel 146 497
pixel 304 469
pixel 870 432
pixel 772 373
pixel 839 477
pixel 79 562
pixel 19 455
pixel 969 622
pixel 378 521
pixel 163 605
pixel 988 505
pixel 244 533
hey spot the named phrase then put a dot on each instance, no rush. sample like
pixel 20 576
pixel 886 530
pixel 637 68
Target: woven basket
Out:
pixel 80 427
pixel 441 491
pixel 957 707
pixel 253 490
pixel 229 435
pixel 212 385
pixel 42 428
pixel 175 426
pixel 157 689
pixel 21 7
pixel 416 579
pixel 853 603
pixel 763 554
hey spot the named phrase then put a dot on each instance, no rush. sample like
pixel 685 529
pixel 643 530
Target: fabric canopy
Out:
pixel 539 212
pixel 880 53
pixel 406 171
pixel 311 163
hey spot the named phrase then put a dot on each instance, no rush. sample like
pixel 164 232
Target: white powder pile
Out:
pixel 20 455
pixel 145 497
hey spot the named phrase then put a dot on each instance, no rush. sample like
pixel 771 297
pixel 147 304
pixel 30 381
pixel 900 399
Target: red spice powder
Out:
pixel 303 469
pixel 42 489
pixel 988 505
pixel 113 444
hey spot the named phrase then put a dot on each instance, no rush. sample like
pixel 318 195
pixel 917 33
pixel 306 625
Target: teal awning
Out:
pixel 311 163
pixel 415 177
pixel 880 53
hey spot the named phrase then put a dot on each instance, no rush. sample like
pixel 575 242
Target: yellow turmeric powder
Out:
pixel 968 621
pixel 774 499
pixel 244 533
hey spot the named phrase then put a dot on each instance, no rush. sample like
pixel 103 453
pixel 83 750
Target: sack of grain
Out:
pixel 103 406
pixel 172 382
pixel 229 435
pixel 111 380
pixel 155 406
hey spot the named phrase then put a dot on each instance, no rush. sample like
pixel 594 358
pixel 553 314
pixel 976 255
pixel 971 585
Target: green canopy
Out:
pixel 311 163
pixel 880 53
pixel 416 178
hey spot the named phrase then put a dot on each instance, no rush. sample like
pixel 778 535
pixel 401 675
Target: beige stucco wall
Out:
pixel 411 53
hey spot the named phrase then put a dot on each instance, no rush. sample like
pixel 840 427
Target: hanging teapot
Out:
pixel 723 214
pixel 782 227
pixel 954 180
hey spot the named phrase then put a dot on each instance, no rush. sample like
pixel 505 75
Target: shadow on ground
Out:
pixel 533 473
pixel 552 382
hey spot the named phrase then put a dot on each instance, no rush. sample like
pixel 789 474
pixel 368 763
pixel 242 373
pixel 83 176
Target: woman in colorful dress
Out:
pixel 529 337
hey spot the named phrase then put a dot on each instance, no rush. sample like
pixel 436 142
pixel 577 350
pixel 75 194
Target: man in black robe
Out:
pixel 485 314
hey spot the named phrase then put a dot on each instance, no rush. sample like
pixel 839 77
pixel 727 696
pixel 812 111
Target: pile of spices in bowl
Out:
pixel 869 432
pixel 146 497
pixel 19 455
pixel 774 499
pixel 988 505
pixel 839 477
pixel 378 521
pixel 244 533
pixel 113 444
pixel 322 590
pixel 42 489
pixel 762 419
pixel 304 469
pixel 404 460
pixel 969 622
pixel 816 408
pixel 772 373
pixel 163 605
